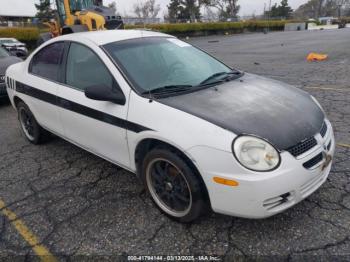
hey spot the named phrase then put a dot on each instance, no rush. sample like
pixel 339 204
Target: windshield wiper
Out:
pixel 226 76
pixel 168 89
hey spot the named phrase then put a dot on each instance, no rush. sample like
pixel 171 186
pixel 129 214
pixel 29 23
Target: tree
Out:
pixel 45 12
pixel 211 14
pixel 346 8
pixel 113 7
pixel 153 8
pixel 320 8
pixel 309 10
pixel 192 9
pixel 330 9
pixel 343 7
pixel 274 12
pixel 283 10
pixel 232 8
pixel 175 11
pixel 184 9
pixel 147 9
pixel 227 8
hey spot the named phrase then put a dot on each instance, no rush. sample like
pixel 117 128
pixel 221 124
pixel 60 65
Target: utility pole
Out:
pixel 268 18
pixel 340 3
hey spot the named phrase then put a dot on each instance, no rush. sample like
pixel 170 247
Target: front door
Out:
pixel 97 126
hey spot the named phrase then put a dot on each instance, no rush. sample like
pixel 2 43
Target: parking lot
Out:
pixel 76 204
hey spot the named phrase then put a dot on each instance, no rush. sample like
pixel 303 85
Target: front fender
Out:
pixel 136 138
pixel 172 126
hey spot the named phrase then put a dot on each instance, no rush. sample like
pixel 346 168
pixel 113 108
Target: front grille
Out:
pixel 302 147
pixel 324 129
pixel 313 161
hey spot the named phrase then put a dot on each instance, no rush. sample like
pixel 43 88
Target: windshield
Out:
pixel 3 53
pixel 152 63
pixel 78 5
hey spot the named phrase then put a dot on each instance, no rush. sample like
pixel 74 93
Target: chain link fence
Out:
pixel 17 24
pixel 146 21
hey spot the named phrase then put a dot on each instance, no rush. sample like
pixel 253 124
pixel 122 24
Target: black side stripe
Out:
pixel 80 109
pixel 36 93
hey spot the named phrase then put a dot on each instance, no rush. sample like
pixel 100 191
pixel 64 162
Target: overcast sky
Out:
pixel 248 7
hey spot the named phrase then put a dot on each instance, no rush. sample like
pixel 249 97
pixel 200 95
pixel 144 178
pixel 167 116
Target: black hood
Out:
pixel 5 62
pixel 254 105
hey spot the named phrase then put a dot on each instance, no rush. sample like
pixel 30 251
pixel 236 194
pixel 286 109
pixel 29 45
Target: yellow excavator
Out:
pixel 80 16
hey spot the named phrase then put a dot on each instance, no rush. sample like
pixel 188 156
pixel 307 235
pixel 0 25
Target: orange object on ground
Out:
pixel 316 57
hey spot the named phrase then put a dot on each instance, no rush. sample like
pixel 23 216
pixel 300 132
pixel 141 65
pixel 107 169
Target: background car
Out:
pixel 6 59
pixel 14 46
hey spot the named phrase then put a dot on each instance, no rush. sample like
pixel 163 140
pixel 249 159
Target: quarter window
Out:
pixel 46 63
pixel 85 69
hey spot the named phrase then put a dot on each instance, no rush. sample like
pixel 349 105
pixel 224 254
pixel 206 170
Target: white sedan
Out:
pixel 198 133
pixel 14 46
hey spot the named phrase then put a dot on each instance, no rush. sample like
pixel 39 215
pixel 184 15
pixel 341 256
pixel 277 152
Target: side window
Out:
pixel 85 69
pixel 46 62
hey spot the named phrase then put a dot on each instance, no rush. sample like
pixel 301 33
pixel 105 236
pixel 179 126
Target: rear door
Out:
pixel 41 85
pixel 98 126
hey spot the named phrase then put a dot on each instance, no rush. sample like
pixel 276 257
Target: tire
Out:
pixel 32 131
pixel 176 190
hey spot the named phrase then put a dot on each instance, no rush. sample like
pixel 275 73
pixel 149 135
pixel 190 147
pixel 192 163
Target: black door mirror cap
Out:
pixel 105 93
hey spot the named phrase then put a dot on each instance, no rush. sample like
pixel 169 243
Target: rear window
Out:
pixel 46 63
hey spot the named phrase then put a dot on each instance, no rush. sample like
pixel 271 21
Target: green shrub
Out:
pixel 22 34
pixel 346 19
pixel 28 35
pixel 210 28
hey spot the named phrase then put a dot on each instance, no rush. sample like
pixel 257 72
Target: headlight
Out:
pixel 317 103
pixel 255 154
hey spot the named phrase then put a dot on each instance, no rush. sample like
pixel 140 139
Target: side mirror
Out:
pixel 104 93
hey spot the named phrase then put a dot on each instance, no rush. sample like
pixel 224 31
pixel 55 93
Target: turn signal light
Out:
pixel 226 182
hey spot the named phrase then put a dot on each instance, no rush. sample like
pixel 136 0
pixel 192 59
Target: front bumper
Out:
pixel 261 195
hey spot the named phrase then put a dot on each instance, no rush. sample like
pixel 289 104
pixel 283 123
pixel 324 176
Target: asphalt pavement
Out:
pixel 79 206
